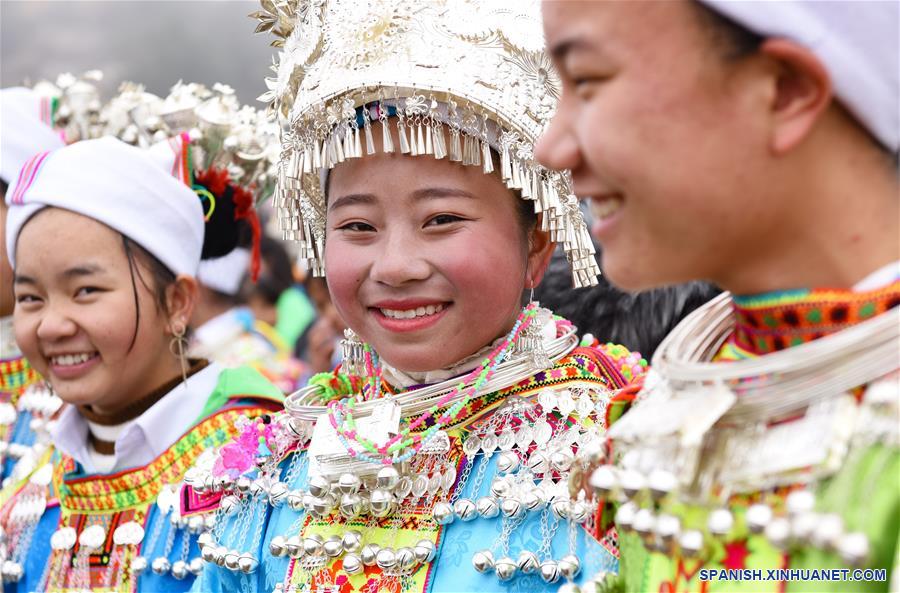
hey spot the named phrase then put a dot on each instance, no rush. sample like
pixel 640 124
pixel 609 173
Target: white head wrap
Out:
pixel 25 121
pixel 118 185
pixel 858 42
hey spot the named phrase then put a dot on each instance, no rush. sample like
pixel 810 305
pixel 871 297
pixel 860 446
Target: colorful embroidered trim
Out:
pixel 775 321
pixel 16 375
pixel 134 487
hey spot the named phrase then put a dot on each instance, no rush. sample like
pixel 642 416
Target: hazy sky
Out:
pixel 155 42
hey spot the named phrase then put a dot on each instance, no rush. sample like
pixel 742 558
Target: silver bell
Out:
pixel 464 509
pixel 349 483
pixel 353 564
pixel 720 522
pixel 242 484
pixel 295 500
pixel 205 539
pixel 569 566
pixel 352 541
pixel 483 561
pixel 625 516
pixel 778 532
pixel 406 559
pixel 247 564
pixel 351 506
pixel 487 507
pixel 800 501
pixel 381 502
pixel 313 545
pixel 195 566
pixel 604 480
pixel 386 559
pixel 443 513
pixel 527 562
pixel 293 546
pixel 507 462
pixel 534 499
pixel 232 560
pixel 179 569
pixel 322 507
pixel 538 463
pixel 561 507
pixel 424 551
pixel 828 532
pixel 549 571
pixel 661 482
pixel 501 487
pixel 161 565
pixel 562 460
pixel 277 493
pixel 512 508
pixel 333 546
pixel 319 486
pixel 668 527
pixel 219 555
pixel 853 548
pixel 579 511
pixel 569 587
pixel 632 482
pixel 691 542
pixel 387 478
pixel 276 546
pixel 505 568
pixel 369 553
pixel 138 565
pixel 758 516
pixel 802 527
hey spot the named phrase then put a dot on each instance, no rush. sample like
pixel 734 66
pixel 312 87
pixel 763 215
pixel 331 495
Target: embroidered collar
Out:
pixel 774 321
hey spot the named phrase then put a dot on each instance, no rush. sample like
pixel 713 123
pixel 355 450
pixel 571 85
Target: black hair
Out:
pixel 638 321
pixel 4 187
pixel 222 233
pixel 734 40
pixel 161 278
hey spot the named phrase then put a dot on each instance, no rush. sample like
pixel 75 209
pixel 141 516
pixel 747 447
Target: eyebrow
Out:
pixel 560 50
pixel 73 272
pixel 428 193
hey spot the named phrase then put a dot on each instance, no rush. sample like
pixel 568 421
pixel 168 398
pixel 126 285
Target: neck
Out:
pixel 839 220
pixel 134 407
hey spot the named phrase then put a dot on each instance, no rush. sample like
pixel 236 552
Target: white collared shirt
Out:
pixel 138 441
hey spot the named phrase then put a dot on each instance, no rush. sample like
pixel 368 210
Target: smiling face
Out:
pixel 426 260
pixel 75 313
pixel 663 135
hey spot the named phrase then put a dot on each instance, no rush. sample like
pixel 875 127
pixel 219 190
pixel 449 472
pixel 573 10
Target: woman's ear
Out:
pixel 181 297
pixel 540 251
pixel 802 93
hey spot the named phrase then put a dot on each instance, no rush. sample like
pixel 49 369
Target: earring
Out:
pixel 178 345
pixel 353 358
pixel 531 344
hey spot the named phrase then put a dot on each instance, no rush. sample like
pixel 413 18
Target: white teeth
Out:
pixel 412 313
pixel 71 359
pixel 605 207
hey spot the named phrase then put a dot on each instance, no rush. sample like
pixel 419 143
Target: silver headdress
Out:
pixel 73 104
pixel 475 69
pixel 222 133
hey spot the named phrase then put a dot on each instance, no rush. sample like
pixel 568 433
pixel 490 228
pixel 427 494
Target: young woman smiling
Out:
pixel 437 457
pixel 104 244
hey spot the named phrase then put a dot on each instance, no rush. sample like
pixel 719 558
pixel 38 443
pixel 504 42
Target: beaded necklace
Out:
pixel 341 411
